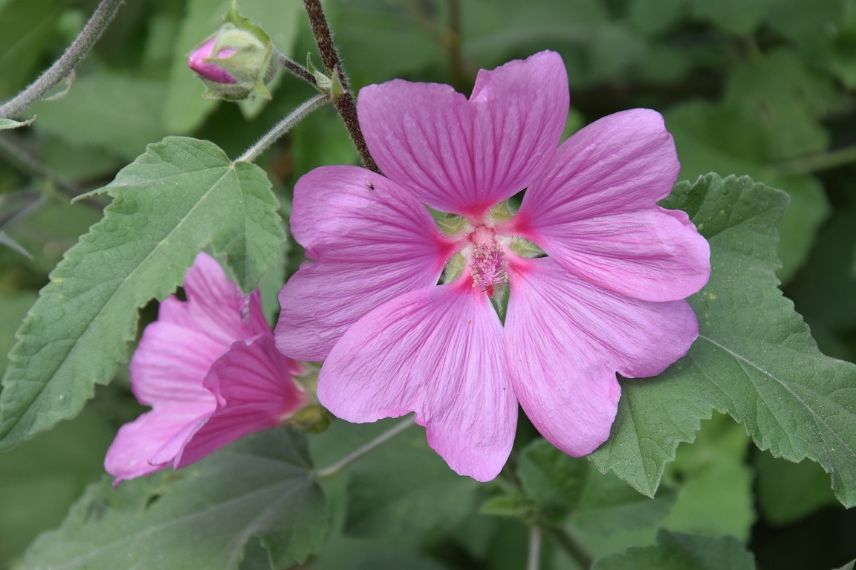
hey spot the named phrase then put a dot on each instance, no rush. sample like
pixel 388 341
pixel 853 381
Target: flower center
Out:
pixel 488 262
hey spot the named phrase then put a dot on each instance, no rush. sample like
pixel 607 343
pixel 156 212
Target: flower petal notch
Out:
pixel 609 298
pixel 463 155
pixel 208 369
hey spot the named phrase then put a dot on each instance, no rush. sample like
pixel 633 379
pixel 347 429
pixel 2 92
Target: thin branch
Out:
pixel 569 543
pixel 357 454
pixel 295 68
pixel 819 161
pixel 283 127
pixel 62 67
pixel 28 163
pixel 344 103
pixel 533 558
pixel 31 201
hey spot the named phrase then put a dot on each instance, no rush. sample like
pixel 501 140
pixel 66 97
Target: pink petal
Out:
pixel 566 339
pixel 369 241
pixel 596 211
pixel 215 305
pixel 133 450
pixel 655 255
pixel 177 350
pixel 170 364
pixel 462 155
pixel 437 352
pixel 254 390
pixel 198 61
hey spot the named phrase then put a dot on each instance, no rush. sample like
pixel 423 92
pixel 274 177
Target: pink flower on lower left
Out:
pixel 211 372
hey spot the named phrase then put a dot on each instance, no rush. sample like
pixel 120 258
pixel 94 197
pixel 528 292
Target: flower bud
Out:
pixel 312 418
pixel 204 63
pixel 234 62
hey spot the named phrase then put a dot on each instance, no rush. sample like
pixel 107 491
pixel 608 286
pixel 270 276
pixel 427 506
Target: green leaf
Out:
pixel 654 16
pixel 40 480
pixel 179 197
pixel 823 32
pixel 6 124
pixel 611 515
pixel 735 16
pixel 787 492
pixel 595 48
pixel 390 38
pixel 754 358
pixel 200 517
pixel 712 137
pixel 13 307
pixel 513 504
pixel 715 494
pixel 81 116
pixel 675 551
pixel 824 288
pixel 552 479
pixel 185 108
pixel 785 98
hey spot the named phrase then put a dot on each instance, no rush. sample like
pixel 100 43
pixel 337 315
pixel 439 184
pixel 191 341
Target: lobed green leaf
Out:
pixel 754 358
pixel 179 197
pixel 260 490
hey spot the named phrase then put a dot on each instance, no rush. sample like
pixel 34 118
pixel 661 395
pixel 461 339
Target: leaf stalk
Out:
pixel 360 452
pixel 281 128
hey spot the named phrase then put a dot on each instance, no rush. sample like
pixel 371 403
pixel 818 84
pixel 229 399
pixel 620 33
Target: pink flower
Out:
pixel 607 299
pixel 203 61
pixel 210 370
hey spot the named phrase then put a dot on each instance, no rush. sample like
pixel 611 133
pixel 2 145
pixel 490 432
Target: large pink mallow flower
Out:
pixel 609 297
pixel 210 370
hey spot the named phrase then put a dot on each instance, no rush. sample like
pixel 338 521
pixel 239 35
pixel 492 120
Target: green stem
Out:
pixel 64 66
pixel 282 127
pixel 358 453
pixel 571 545
pixel 533 557
pixel 28 163
pixel 819 161
pixel 295 68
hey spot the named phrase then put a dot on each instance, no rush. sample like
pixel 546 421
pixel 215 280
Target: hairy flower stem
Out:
pixel 282 127
pixel 344 102
pixel 358 453
pixel 64 66
pixel 533 557
pixel 572 547
pixel 295 68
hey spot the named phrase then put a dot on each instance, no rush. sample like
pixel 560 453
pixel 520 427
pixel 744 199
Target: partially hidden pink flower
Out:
pixel 203 61
pixel 211 372
pixel 609 297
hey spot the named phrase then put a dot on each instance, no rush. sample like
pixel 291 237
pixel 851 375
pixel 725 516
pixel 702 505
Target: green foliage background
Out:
pixel 763 88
